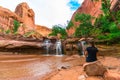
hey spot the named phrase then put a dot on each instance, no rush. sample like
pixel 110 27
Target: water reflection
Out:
pixel 30 68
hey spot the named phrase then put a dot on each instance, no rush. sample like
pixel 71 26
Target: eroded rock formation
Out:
pixel 27 14
pixel 7 17
pixel 23 14
pixel 89 7
pixel 44 31
pixel 8 44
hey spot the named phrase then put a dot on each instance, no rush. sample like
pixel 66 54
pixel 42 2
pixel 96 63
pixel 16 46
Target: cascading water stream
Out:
pixel 58 47
pixel 47 44
pixel 56 51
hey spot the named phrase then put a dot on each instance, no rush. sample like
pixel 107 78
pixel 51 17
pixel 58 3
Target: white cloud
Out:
pixel 80 1
pixel 54 12
pixel 47 12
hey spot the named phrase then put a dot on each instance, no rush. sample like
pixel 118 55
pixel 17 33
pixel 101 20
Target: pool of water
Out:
pixel 30 67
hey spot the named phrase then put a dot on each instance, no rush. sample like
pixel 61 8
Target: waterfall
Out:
pixel 83 43
pixel 47 44
pixel 58 47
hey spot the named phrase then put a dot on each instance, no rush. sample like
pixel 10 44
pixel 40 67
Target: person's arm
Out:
pixel 86 53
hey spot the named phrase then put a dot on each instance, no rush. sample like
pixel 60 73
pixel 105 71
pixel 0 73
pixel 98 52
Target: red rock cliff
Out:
pixel 90 7
pixel 25 15
pixel 93 8
pixel 87 7
pixel 44 31
pixel 6 19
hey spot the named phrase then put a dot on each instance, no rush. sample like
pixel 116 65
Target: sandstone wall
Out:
pixel 43 30
pixel 23 14
pixel 27 14
pixel 6 18
pixel 90 7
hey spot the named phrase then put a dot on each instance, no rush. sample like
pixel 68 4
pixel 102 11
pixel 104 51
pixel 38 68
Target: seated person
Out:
pixel 91 52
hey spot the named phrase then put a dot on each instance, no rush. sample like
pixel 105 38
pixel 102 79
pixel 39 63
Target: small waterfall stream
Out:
pixel 47 44
pixel 57 47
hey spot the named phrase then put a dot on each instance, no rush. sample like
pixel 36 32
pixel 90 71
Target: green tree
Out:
pixel 58 30
pixel 85 25
pixel 108 23
pixel 103 23
pixel 7 31
pixel 70 24
pixel 110 14
pixel 16 26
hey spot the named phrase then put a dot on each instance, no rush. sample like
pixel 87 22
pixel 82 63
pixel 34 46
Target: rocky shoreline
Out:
pixel 77 73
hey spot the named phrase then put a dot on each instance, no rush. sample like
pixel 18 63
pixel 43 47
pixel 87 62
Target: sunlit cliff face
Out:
pixel 23 14
pixel 93 8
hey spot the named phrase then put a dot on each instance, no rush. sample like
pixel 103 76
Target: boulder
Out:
pixel 94 69
pixel 111 76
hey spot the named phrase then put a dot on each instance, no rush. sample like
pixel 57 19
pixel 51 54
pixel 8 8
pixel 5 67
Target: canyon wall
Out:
pixel 27 15
pixel 7 17
pixel 87 7
pixel 90 7
pixel 23 14
pixel 44 31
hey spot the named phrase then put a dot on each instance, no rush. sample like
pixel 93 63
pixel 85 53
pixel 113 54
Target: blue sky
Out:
pixel 47 12
pixel 73 4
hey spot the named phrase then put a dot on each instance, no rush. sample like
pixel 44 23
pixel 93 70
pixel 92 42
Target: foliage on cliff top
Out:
pixel 105 27
pixel 70 24
pixel 58 30
pixel 85 25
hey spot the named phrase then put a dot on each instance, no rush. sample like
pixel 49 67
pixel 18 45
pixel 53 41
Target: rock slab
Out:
pixel 94 69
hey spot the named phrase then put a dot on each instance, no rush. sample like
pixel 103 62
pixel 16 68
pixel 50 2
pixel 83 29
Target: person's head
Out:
pixel 92 43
